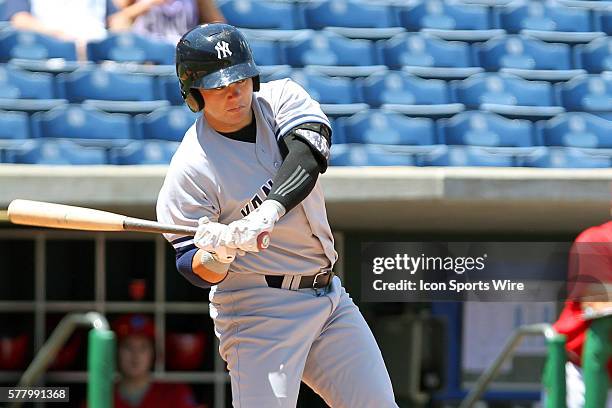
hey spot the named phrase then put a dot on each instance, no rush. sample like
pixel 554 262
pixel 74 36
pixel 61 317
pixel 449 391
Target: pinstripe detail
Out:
pixel 291 178
pixel 300 182
pixel 296 180
pixel 183 243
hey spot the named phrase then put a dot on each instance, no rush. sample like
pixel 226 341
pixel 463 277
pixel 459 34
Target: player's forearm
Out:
pixel 297 175
pixel 207 268
pixel 209 12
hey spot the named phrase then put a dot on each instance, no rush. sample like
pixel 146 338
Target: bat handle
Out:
pixel 263 240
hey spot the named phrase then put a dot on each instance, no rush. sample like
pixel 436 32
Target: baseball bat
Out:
pixel 43 214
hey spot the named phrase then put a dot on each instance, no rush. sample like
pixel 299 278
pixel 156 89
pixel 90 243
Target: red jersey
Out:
pixel 161 395
pixel 571 322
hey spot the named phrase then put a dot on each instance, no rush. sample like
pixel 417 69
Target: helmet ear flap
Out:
pixel 256 83
pixel 194 100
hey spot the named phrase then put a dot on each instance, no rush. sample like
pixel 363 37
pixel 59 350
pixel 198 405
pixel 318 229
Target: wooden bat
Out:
pixel 43 214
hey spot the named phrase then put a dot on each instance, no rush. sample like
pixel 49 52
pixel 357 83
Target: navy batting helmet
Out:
pixel 212 56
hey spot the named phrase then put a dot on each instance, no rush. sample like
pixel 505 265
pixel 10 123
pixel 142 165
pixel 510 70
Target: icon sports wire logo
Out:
pixel 422 263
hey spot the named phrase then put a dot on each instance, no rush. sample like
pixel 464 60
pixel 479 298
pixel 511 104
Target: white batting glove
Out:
pixel 243 233
pixel 211 237
pixel 226 255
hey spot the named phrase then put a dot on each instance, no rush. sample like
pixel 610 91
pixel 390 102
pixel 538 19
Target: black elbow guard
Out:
pixel 318 137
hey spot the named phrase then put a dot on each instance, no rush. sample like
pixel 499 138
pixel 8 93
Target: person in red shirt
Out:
pixel 589 272
pixel 135 356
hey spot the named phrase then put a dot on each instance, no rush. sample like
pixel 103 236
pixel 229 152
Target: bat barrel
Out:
pixel 136 224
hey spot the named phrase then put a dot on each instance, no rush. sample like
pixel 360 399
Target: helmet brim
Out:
pixel 226 76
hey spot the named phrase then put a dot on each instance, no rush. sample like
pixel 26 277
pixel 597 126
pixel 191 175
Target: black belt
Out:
pixel 317 281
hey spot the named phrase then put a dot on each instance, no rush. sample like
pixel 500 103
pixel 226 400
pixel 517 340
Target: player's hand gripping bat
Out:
pixel 43 214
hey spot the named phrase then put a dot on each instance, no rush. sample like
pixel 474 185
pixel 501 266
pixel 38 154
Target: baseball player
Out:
pixel 249 165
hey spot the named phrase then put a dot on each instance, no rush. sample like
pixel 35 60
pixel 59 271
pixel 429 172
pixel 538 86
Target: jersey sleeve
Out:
pixel 295 107
pixel 182 200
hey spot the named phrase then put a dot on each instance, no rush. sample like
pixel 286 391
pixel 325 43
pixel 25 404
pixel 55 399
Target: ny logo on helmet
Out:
pixel 222 47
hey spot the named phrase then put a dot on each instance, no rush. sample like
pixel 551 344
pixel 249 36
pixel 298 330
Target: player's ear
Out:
pixel 194 100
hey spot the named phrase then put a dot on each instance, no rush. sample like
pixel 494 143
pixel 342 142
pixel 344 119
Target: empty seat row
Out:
pixel 474 128
pixel 473 156
pixel 68 152
pixel 445 16
pixel 94 127
pixel 343 56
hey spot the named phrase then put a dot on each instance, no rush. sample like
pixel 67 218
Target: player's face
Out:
pixel 228 108
pixel 135 357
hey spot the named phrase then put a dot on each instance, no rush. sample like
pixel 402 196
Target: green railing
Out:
pixel 100 358
pixel 595 356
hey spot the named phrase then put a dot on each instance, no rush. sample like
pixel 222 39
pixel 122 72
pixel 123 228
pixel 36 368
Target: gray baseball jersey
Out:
pixel 225 179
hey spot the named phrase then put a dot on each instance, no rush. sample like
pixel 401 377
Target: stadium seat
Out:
pixel 576 129
pixel 527 57
pixel 266 52
pixel 368 155
pixel 352 19
pixel 591 93
pixel 380 127
pixel 144 152
pixel 554 23
pixel 51 66
pixel 30 45
pixel 274 72
pixel 428 57
pixel 168 123
pixel 332 54
pixel 261 14
pixel 170 90
pixel 114 92
pixel 567 157
pixel 17 83
pixel 507 95
pixel 485 129
pixel 463 156
pixel 89 125
pixel 128 47
pixel 337 95
pixel 14 125
pixel 449 20
pixel 30 106
pixel 595 56
pixel 606 22
pixel 410 95
pixel 56 152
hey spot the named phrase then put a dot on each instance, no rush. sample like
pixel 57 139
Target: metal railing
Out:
pixel 556 366
pixel 100 357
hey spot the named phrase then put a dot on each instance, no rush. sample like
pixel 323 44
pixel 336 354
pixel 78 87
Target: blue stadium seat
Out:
pixel 56 152
pixel 467 156
pixel 89 125
pixel 567 157
pixel 29 45
pixel 30 106
pixel 337 95
pixel 368 155
pixel 591 93
pixel 261 14
pixel 168 123
pixel 527 57
pixel 274 72
pixel 380 127
pixel 144 152
pixel 14 125
pixel 507 95
pixel 595 56
pixel 428 57
pixel 486 129
pixel 606 22
pixel 549 22
pixel 332 54
pixel 352 19
pixel 576 129
pixel 169 88
pixel 410 95
pixel 17 83
pixel 266 52
pixel 449 20
pixel 128 47
pixel 106 85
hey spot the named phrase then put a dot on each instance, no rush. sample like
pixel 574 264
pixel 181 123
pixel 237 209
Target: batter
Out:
pixel 250 164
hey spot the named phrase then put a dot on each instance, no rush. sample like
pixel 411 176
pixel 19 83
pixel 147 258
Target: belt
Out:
pixel 317 281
